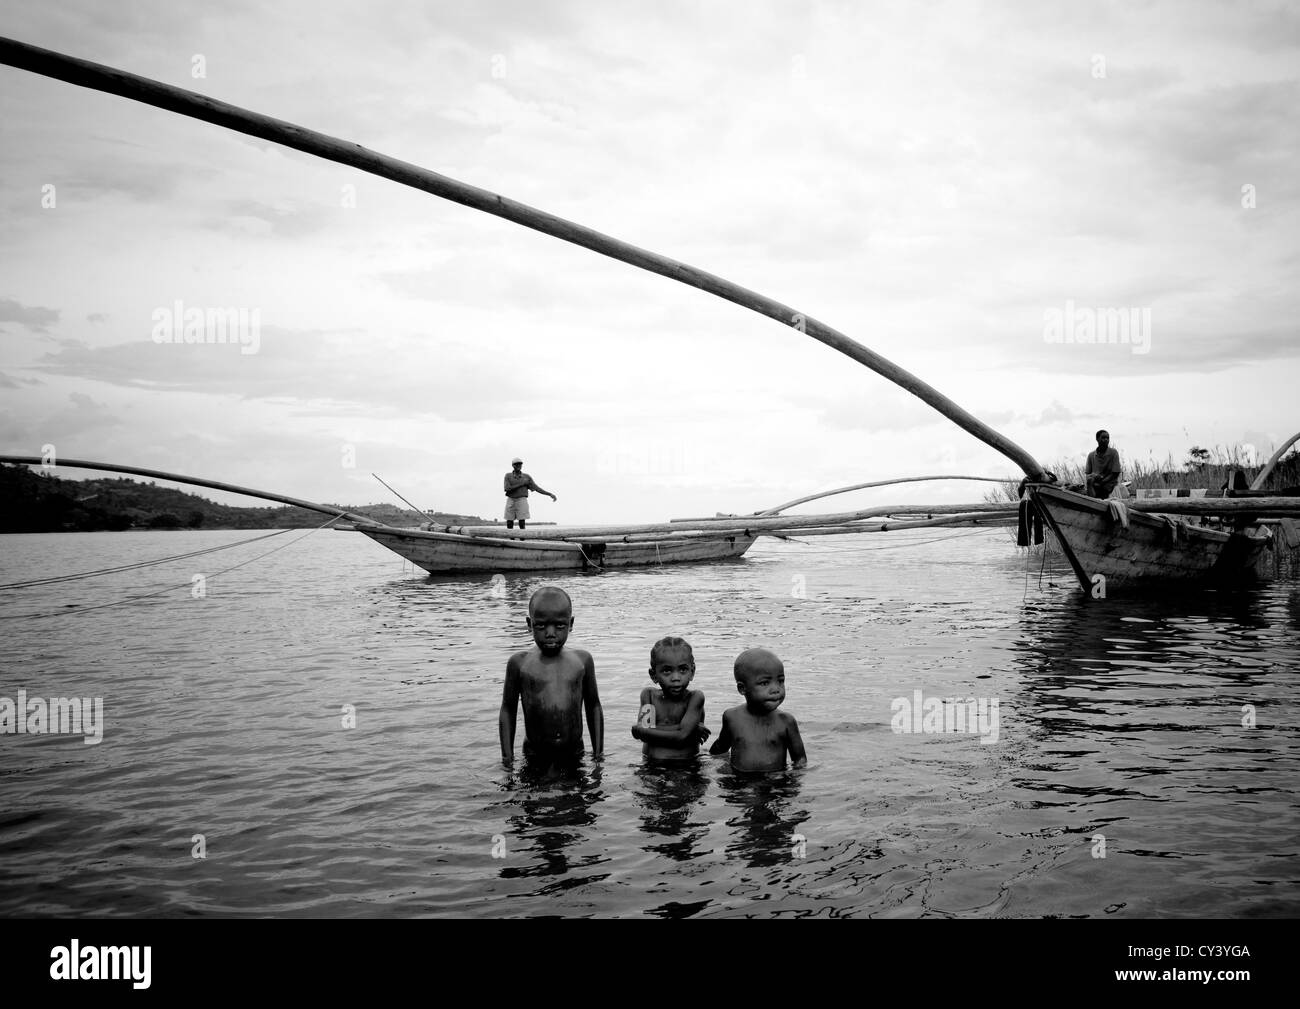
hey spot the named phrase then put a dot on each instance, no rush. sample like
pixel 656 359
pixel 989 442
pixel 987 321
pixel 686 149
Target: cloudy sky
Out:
pixel 962 187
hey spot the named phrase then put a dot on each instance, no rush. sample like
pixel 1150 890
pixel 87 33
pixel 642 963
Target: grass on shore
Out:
pixel 1211 470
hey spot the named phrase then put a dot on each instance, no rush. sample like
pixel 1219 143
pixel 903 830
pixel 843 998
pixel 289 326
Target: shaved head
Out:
pixel 551 595
pixel 754 661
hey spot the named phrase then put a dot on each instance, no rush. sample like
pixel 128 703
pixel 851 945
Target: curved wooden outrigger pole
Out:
pixel 877 483
pixel 188 103
pixel 157 474
pixel 1263 475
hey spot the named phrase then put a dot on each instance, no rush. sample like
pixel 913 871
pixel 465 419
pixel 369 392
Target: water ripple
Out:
pixel 1160 731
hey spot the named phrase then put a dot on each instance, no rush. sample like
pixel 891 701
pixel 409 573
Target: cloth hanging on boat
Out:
pixel 1029 517
pixel 1290 532
pixel 1118 511
pixel 1174 527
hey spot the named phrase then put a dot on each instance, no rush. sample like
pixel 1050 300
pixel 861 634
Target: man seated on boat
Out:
pixel 518 484
pixel 1102 471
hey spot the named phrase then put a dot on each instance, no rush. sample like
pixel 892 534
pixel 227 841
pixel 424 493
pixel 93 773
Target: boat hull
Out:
pixel 1150 548
pixel 453 553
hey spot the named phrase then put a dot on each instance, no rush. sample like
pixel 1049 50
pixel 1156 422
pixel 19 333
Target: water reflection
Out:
pixel 765 822
pixel 1149 718
pixel 1206 632
pixel 667 798
pixel 555 811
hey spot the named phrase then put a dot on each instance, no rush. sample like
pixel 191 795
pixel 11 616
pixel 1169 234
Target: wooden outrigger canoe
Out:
pixel 485 548
pixel 1124 545
pixel 1078 524
pixel 1144 539
pixel 456 553
pixel 458 549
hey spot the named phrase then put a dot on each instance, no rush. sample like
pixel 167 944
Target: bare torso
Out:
pixel 758 742
pixel 550 690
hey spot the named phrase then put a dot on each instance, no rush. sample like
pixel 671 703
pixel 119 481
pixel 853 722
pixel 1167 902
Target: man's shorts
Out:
pixel 517 508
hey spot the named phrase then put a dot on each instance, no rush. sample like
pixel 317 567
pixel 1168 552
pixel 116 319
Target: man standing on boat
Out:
pixel 518 484
pixel 1102 471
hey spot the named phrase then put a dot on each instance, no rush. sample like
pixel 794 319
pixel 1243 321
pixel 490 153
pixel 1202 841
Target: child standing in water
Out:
pixel 758 736
pixel 671 720
pixel 555 685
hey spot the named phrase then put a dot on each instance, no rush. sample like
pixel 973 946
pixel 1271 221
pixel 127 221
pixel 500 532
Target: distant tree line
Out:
pixel 32 502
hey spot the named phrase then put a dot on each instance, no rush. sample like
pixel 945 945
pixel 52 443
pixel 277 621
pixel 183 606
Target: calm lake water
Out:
pixel 1119 719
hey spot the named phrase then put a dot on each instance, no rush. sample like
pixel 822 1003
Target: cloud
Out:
pixel 291 220
pixel 1171 352
pixel 84 415
pixel 143 183
pixel 35 318
pixel 882 407
pixel 344 370
pixel 1058 414
pixel 929 187
pixel 1203 144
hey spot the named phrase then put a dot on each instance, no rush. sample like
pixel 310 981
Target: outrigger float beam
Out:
pixel 187 103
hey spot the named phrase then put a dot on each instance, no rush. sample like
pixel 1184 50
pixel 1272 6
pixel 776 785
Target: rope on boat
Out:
pixel 169 588
pixel 138 564
pixel 404 501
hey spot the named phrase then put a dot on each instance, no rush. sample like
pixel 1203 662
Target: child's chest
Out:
pixel 553 685
pixel 667 710
pixel 759 734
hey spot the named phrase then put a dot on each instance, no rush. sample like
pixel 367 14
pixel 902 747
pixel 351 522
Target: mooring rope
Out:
pixel 138 564
pixel 169 588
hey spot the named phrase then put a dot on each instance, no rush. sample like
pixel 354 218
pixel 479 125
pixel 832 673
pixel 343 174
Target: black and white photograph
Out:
pixel 516 460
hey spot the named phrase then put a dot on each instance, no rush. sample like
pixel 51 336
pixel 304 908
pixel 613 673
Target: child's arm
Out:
pixel 646 710
pixel 509 710
pixel 794 743
pixel 723 743
pixel 685 733
pixel 591 701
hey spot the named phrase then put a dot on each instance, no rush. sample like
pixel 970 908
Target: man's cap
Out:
pixel 515 460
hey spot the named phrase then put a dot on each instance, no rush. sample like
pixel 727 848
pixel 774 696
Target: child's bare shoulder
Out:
pixel 787 720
